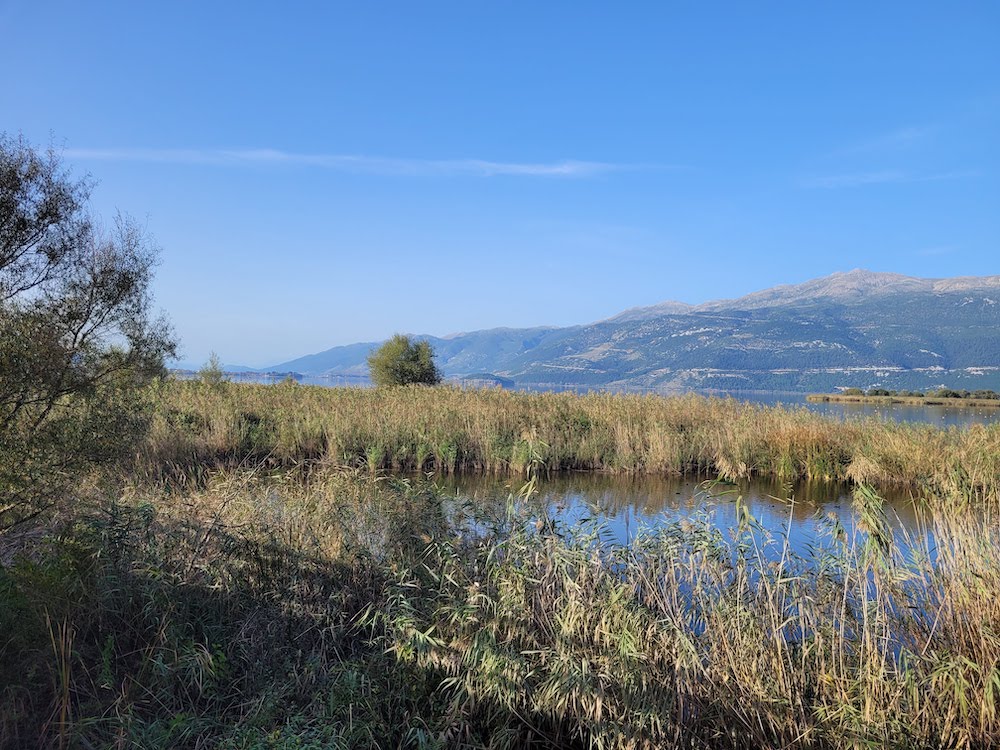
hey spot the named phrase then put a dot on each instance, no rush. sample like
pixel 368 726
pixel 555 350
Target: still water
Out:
pixel 943 416
pixel 622 505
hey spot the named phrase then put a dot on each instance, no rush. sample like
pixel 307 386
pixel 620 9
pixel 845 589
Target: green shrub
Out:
pixel 400 361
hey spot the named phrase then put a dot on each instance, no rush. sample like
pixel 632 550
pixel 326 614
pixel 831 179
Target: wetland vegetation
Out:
pixel 939 397
pixel 261 577
pixel 493 431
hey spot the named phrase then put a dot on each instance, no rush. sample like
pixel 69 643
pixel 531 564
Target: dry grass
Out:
pixel 249 590
pixel 691 637
pixel 335 609
pixel 224 616
pixel 503 432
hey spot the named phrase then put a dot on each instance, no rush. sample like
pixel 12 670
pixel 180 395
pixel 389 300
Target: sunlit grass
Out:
pixel 332 608
pixel 502 432
pixel 262 581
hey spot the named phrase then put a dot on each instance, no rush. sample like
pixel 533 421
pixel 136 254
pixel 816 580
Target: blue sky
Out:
pixel 320 174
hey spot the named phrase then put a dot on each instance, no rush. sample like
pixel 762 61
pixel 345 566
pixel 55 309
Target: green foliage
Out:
pixel 78 337
pixel 951 393
pixel 148 624
pixel 401 361
pixel 983 394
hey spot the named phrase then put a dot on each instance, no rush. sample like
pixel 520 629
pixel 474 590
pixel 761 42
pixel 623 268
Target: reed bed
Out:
pixel 699 637
pixel 415 429
pixel 332 608
pixel 259 581
pixel 221 617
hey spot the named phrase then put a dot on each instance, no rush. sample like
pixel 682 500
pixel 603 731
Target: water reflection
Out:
pixel 623 505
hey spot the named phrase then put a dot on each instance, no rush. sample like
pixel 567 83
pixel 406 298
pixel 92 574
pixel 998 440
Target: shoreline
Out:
pixel 962 403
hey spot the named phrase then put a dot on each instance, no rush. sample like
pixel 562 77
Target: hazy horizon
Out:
pixel 181 363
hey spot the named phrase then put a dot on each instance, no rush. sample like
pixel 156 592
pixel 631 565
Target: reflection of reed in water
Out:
pixel 627 502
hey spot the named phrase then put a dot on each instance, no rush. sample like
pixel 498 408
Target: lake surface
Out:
pixel 943 416
pixel 622 505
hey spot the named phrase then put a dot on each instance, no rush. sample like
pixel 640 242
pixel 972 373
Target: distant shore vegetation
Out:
pixel 937 397
pixel 937 393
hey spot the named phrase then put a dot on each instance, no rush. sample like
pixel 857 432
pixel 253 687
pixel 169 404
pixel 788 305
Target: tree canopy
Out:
pixel 78 334
pixel 401 361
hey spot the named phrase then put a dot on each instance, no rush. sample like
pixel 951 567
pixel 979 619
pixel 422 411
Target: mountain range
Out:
pixel 852 329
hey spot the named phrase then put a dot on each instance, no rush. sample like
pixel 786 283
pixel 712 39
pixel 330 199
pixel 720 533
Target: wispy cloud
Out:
pixel 352 163
pixel 906 137
pixel 887 176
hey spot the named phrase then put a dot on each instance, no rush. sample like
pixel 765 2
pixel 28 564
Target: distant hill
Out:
pixel 857 328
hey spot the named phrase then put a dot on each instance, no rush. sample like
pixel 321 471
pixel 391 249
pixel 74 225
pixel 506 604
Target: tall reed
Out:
pixel 503 432
pixel 696 637
pixel 333 608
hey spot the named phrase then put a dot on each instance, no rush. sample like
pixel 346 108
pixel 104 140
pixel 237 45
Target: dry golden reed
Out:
pixel 444 429
pixel 331 608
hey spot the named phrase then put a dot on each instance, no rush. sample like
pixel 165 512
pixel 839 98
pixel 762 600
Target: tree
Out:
pixel 400 361
pixel 78 336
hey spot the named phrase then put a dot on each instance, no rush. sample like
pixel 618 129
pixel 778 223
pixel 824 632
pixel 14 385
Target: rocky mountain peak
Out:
pixel 842 286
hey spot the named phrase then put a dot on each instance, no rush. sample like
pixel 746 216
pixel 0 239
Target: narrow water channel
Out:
pixel 621 506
